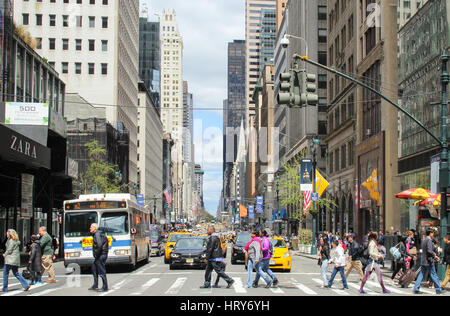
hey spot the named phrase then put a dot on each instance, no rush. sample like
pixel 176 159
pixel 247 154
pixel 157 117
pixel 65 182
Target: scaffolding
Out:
pixel 115 140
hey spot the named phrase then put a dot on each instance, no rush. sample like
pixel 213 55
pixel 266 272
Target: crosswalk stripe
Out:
pixel 12 293
pixel 238 286
pixel 303 288
pixel 146 286
pixel 116 287
pixel 176 286
pixel 340 292
pixel 357 287
pixel 45 292
pixel 277 290
pixel 375 284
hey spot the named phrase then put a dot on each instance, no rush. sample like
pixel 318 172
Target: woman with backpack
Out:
pixel 35 261
pixel 12 260
pixel 374 257
pixel 400 260
pixel 267 253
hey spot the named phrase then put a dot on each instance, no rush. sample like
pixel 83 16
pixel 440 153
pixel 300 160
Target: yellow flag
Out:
pixel 321 183
pixel 371 185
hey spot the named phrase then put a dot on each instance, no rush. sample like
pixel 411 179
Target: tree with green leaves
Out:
pixel 100 176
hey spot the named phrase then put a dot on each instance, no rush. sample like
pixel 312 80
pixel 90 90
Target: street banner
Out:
pixel 283 214
pixel 140 200
pixel 321 183
pixel 306 171
pixel 243 211
pixel 275 215
pixel 371 185
pixel 251 212
pixel 259 200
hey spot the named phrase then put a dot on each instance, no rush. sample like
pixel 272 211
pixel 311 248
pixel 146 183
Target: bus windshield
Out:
pixel 114 223
pixel 78 224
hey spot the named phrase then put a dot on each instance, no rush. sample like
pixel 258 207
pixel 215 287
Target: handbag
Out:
pixel 26 274
pixel 413 251
pixel 319 262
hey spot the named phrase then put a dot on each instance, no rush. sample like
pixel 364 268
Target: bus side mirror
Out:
pixel 133 231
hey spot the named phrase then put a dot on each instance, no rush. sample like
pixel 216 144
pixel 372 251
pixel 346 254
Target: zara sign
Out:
pixel 18 148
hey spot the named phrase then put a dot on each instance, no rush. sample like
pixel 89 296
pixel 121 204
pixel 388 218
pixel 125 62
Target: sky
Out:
pixel 207 26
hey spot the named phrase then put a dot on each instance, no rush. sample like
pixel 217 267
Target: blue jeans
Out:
pixel 341 270
pixel 432 270
pixel 99 269
pixel 323 271
pixel 16 273
pixel 264 266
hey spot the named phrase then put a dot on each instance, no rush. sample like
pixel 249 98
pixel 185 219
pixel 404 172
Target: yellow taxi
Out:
pixel 171 241
pixel 281 259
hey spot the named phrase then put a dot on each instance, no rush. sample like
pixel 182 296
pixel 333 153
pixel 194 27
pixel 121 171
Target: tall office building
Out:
pixel 281 8
pixel 172 111
pixel 234 108
pixel 341 123
pixel 95 49
pixel 376 154
pixel 407 9
pixel 150 56
pixel 253 17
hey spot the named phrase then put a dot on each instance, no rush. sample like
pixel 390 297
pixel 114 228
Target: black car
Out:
pixel 238 249
pixel 190 251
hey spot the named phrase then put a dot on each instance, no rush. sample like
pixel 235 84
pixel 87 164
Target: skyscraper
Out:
pixel 234 107
pixel 253 24
pixel 172 98
pixel 150 57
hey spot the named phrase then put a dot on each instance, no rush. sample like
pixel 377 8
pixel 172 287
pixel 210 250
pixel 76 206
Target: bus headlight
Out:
pixel 121 252
pixel 73 254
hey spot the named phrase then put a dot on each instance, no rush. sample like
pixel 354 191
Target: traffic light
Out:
pixel 309 88
pixel 284 96
pixel 297 89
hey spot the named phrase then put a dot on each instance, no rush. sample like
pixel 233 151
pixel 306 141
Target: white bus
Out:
pixel 126 224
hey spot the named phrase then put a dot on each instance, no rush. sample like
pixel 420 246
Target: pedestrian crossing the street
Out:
pixel 189 285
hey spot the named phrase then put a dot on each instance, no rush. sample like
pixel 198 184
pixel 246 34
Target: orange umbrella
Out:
pixel 414 194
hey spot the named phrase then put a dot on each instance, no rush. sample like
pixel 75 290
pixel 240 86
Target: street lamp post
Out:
pixel 313 213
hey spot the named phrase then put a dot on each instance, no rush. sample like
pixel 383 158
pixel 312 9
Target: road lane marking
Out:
pixel 302 287
pixel 375 284
pixel 145 287
pixel 116 287
pixel 12 293
pixel 238 286
pixel 176 286
pixel 46 292
pixel 357 287
pixel 340 292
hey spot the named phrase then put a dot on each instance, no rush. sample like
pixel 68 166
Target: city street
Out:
pixel 155 279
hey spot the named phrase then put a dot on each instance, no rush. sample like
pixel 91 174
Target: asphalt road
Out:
pixel 155 279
